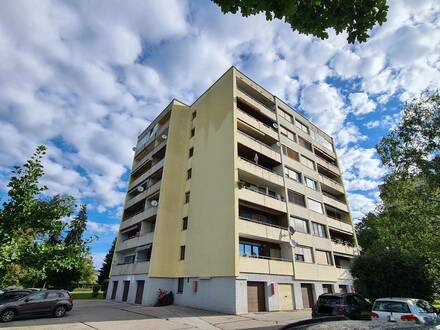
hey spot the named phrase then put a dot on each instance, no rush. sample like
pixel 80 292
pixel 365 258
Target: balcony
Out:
pixel 258 106
pixel 332 201
pixel 260 171
pixel 258 146
pixel 264 265
pixel 134 242
pixel 138 217
pixel 132 269
pixel 316 272
pixel 256 124
pixel 161 130
pixel 337 224
pixel 262 199
pixel 255 229
pixel 329 166
pixel 331 183
pixel 343 248
pixel 145 175
pixel 148 191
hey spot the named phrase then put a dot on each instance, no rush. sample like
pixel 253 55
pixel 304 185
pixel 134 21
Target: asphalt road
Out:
pixel 101 314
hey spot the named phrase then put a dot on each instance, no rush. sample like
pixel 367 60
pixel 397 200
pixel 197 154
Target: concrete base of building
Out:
pixel 227 294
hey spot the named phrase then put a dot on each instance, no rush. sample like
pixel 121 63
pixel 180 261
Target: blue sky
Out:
pixel 85 77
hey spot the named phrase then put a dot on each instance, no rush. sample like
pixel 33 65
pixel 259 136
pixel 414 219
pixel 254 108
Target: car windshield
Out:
pixel 12 296
pixel 424 307
pixel 331 300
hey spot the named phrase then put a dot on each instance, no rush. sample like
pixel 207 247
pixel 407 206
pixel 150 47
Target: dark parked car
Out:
pixel 350 305
pixel 18 303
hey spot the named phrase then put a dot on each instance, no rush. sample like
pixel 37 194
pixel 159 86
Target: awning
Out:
pixel 130 228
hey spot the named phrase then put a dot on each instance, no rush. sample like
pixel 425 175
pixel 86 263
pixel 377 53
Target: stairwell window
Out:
pixel 185 223
pixel 189 174
pixel 187 197
pixel 194 115
pixel 182 252
pixel 193 132
pixel 191 152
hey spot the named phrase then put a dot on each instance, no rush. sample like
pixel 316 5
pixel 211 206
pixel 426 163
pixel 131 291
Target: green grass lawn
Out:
pixel 86 295
pixel 436 304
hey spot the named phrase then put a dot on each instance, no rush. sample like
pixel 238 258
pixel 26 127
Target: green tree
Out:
pixel 30 227
pixel 408 219
pixel 315 17
pixel 104 272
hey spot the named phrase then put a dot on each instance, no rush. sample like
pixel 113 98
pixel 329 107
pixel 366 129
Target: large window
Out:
pixel 286 116
pixel 323 257
pixel 301 126
pixel 318 230
pixel 307 162
pixel 292 174
pixel 314 205
pixel 289 134
pixel 311 183
pixel 296 198
pixel 301 225
pixel 303 254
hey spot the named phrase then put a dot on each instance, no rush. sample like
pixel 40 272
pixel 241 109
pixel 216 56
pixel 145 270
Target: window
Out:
pixel 323 257
pixel 185 223
pixel 319 230
pixel 311 183
pixel 193 132
pixel 182 252
pixel 129 259
pixel 307 162
pixel 53 295
pixel 180 283
pixel 296 198
pixel 327 288
pixel 249 249
pixel 37 296
pixel 286 116
pixel 303 254
pixel 191 152
pixel 391 306
pixel 290 153
pixel 188 174
pixel 333 213
pixel 289 134
pixel 301 126
pixel 314 205
pixel 194 115
pixel 292 174
pixel 301 225
pixel 187 196
pixel 305 144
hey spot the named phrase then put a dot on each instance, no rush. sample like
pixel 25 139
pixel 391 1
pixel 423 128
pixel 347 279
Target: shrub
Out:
pixel 95 290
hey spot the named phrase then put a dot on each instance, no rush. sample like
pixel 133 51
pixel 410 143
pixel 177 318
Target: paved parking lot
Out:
pixel 101 314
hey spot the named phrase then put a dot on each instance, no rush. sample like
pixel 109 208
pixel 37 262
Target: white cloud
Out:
pixel 102 228
pixel 98 259
pixel 360 205
pixel 361 104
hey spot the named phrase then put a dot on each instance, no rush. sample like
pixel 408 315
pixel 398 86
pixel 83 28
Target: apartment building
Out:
pixel 236 204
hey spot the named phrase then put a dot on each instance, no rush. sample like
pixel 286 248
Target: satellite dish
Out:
pixel 164 137
pixel 154 203
pixel 140 189
pixel 134 148
pixel 292 230
pixel 292 243
pixel 279 144
pixel 275 125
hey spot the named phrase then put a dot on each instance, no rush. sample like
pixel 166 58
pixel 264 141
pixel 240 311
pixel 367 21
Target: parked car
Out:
pixel 351 305
pixel 22 303
pixel 403 310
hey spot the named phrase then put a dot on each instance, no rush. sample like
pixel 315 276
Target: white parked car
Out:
pixel 403 310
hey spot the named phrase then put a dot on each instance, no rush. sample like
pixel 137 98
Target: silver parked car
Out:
pixel 403 310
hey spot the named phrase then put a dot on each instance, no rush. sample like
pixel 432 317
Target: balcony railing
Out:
pixel 279 197
pixel 332 197
pixel 253 98
pixel 258 165
pixel 264 257
pixel 259 121
pixel 262 223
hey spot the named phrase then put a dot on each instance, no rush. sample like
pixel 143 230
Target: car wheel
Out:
pixel 60 311
pixel 7 315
